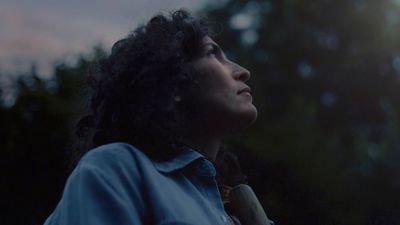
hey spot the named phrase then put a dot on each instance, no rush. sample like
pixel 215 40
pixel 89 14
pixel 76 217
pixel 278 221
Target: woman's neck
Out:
pixel 209 147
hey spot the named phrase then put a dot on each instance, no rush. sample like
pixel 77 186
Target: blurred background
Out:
pixel 326 81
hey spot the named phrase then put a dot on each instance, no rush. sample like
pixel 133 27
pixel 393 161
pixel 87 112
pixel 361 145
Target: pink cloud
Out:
pixel 45 30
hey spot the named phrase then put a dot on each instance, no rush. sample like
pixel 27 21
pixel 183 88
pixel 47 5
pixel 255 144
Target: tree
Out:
pixel 37 131
pixel 325 80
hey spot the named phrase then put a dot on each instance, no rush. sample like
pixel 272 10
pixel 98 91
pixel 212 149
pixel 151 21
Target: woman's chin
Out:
pixel 245 119
pixel 251 115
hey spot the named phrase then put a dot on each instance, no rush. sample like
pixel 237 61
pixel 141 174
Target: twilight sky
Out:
pixel 44 31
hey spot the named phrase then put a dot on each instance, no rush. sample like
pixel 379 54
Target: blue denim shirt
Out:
pixel 117 184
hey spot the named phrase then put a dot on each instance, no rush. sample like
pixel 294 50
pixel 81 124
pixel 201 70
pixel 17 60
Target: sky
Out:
pixel 47 31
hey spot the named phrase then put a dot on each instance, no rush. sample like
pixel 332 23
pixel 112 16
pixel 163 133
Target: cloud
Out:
pixel 46 30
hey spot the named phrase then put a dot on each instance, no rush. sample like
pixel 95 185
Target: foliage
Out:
pixel 36 135
pixel 325 75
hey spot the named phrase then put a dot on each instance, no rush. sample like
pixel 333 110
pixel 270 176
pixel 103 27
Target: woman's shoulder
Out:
pixel 116 150
pixel 114 157
pixel 108 175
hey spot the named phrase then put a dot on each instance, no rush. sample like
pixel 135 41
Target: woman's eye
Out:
pixel 212 53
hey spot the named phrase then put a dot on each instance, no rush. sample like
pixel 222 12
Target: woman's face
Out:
pixel 224 100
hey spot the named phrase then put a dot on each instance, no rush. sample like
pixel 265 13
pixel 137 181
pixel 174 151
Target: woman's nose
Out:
pixel 241 73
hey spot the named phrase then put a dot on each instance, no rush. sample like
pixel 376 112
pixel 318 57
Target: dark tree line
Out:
pixel 326 76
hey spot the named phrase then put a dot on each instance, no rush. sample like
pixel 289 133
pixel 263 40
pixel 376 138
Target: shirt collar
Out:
pixel 180 161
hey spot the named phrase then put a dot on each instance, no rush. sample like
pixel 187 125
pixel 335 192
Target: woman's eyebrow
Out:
pixel 214 45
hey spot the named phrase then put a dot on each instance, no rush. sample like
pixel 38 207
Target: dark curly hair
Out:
pixel 142 92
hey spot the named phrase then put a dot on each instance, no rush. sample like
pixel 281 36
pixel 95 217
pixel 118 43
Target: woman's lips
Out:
pixel 245 91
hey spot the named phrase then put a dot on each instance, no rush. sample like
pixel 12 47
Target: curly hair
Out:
pixel 141 93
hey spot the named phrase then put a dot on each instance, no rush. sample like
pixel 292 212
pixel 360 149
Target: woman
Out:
pixel 162 102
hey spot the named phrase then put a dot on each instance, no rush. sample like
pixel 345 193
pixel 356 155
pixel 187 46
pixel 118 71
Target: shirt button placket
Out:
pixel 224 219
